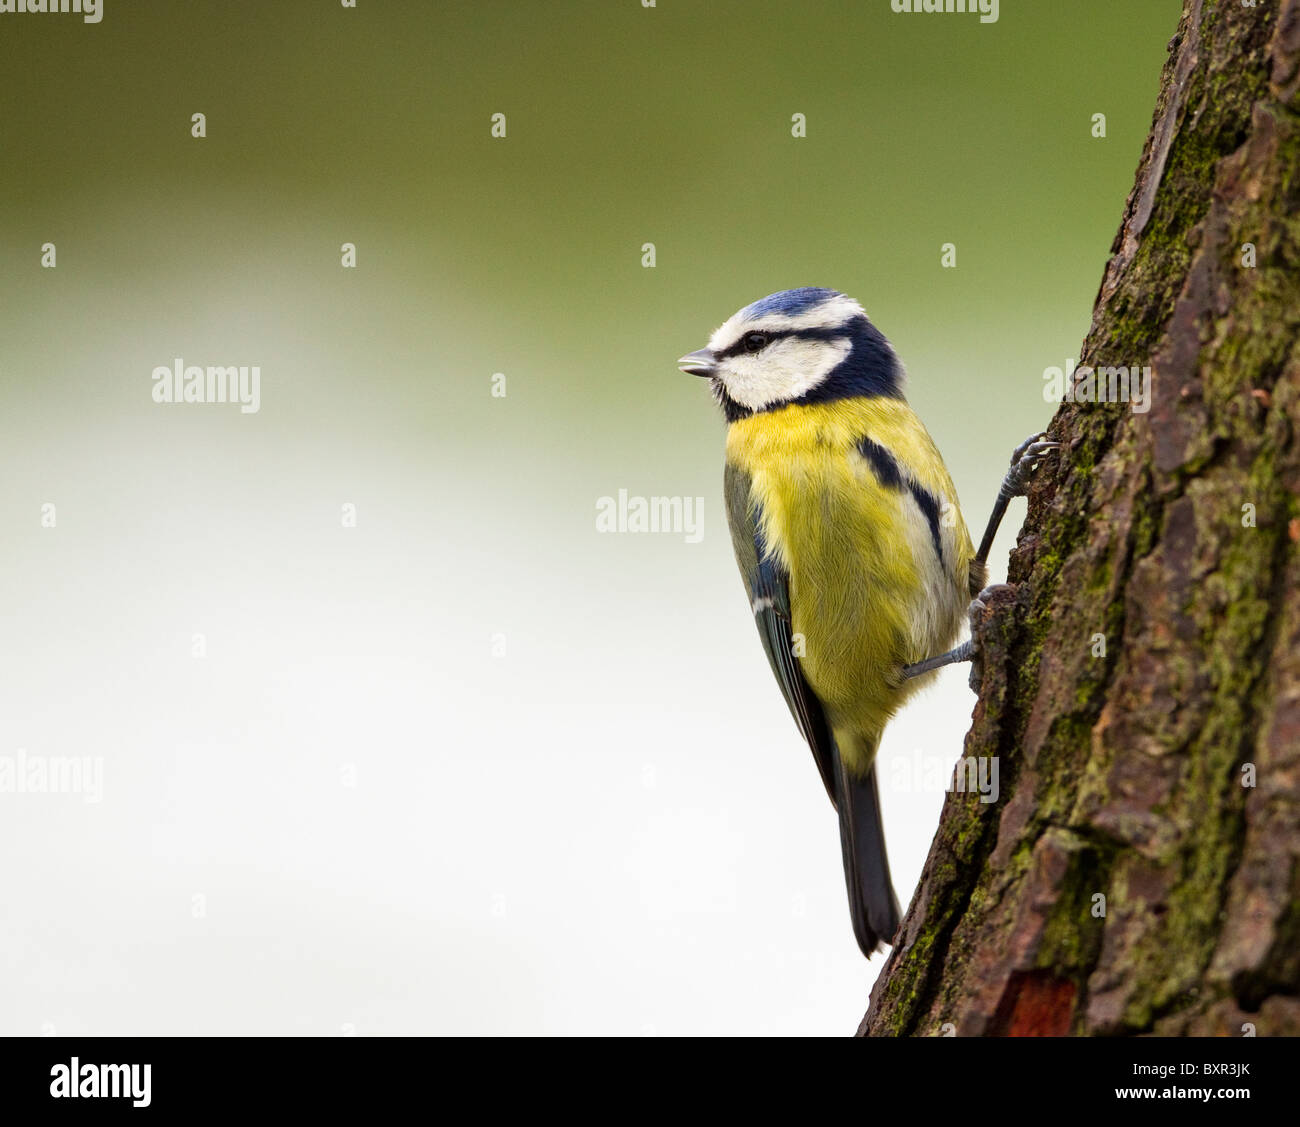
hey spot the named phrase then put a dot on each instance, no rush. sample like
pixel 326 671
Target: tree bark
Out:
pixel 1141 871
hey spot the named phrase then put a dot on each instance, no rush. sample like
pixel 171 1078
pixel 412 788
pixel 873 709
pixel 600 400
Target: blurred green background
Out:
pixel 577 803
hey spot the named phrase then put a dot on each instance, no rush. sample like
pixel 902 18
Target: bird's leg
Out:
pixel 1014 484
pixel 967 651
pixel 964 652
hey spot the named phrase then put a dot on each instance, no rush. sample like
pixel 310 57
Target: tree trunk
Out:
pixel 1142 674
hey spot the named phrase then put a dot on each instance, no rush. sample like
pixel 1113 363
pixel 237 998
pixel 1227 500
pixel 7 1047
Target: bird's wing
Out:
pixel 768 586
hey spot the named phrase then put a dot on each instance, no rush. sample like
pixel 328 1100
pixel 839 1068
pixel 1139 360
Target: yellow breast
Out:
pixel 869 592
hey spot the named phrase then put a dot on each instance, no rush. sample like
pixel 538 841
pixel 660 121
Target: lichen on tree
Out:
pixel 1142 871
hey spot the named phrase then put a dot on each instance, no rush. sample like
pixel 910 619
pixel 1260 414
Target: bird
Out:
pixel 849 537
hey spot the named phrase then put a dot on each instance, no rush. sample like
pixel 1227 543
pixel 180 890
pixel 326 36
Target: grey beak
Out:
pixel 699 363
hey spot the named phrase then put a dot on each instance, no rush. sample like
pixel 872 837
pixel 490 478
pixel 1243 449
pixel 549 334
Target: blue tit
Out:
pixel 847 531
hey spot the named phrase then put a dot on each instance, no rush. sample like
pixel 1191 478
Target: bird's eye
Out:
pixel 755 341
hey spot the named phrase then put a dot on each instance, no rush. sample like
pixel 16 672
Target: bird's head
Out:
pixel 798 346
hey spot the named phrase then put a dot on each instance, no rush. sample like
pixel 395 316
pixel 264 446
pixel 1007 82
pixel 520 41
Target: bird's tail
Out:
pixel 872 902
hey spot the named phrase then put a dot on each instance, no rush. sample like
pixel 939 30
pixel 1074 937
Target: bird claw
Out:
pixel 1024 459
pixel 974 613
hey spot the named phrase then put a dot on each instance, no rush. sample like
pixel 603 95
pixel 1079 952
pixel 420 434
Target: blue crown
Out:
pixel 791 301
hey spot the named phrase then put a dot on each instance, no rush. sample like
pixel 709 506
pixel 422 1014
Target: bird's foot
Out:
pixel 971 650
pixel 975 615
pixel 1024 460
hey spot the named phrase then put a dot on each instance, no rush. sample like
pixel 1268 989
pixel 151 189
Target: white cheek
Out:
pixel 783 371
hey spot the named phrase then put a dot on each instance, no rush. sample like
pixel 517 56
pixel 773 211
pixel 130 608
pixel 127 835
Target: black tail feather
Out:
pixel 872 902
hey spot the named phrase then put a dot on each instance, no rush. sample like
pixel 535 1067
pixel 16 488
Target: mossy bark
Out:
pixel 1141 872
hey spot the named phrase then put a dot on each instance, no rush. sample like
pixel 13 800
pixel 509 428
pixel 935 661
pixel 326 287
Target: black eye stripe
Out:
pixel 837 333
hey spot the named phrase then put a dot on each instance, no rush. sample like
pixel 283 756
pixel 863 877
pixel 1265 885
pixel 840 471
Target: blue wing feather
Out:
pixel 768 587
